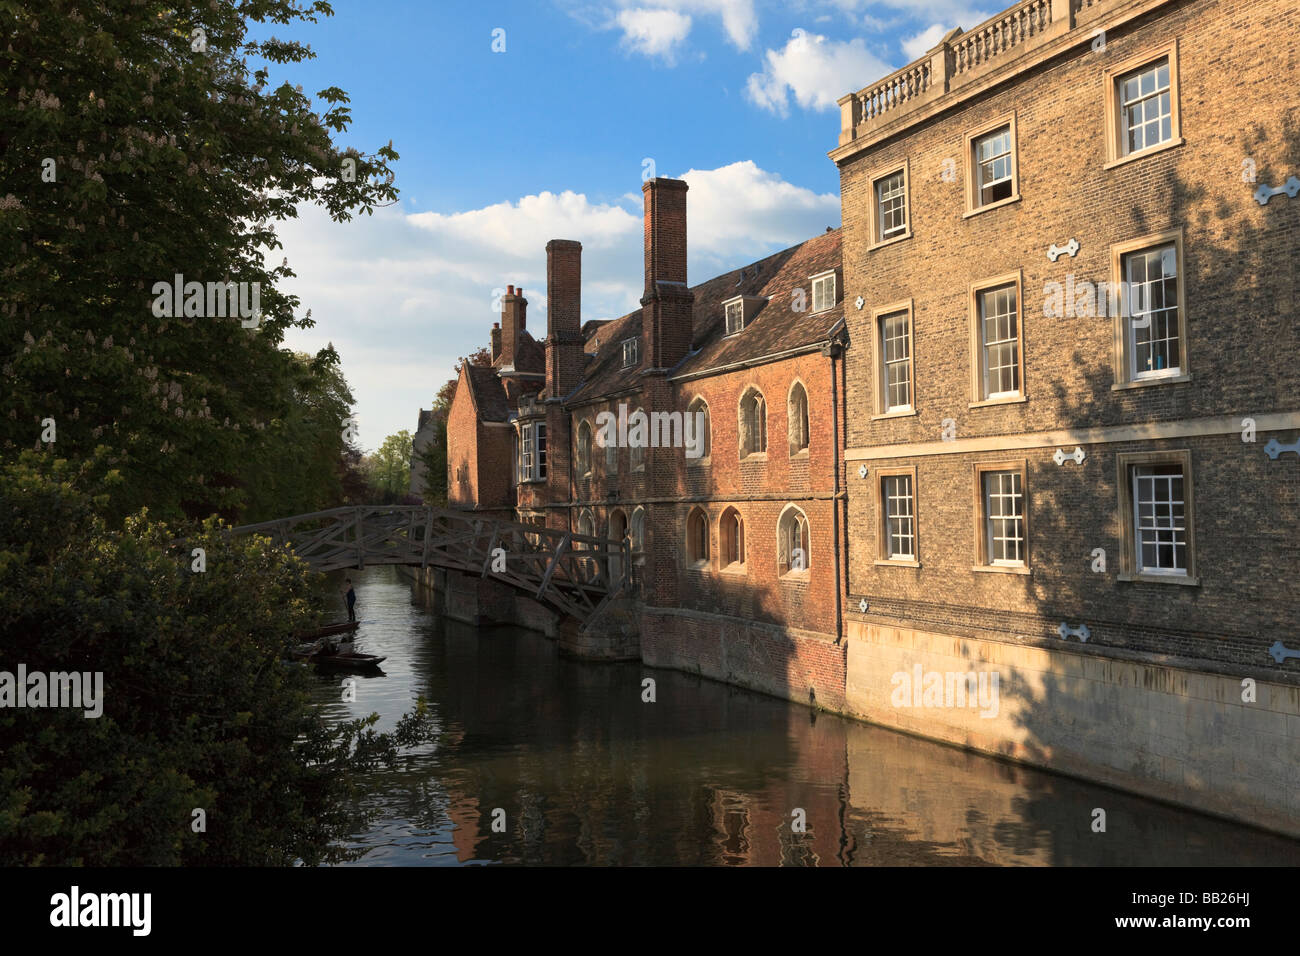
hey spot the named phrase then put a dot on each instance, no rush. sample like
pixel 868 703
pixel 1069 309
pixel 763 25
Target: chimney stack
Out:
pixel 513 311
pixel 667 309
pixel 496 341
pixel 563 316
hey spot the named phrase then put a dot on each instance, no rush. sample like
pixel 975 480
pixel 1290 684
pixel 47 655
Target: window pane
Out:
pixel 891 202
pixel 1159 515
pixel 896 348
pixel 1153 320
pixel 1146 107
pixel 899 517
pixel 993 166
pixel 1004 517
pixel 1001 345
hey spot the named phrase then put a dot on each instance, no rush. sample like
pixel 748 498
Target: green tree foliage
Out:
pixel 169 154
pixel 199 708
pixel 389 468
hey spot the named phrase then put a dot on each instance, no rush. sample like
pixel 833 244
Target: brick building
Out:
pixel 735 539
pixel 991 190
pixel 1037 420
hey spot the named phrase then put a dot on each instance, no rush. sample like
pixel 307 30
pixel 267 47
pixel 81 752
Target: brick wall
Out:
pixel 1236 60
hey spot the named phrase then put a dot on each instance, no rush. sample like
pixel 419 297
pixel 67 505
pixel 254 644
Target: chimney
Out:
pixel 513 309
pixel 564 358
pixel 496 341
pixel 667 319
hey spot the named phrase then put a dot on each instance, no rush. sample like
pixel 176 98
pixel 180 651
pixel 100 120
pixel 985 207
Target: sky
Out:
pixel 550 138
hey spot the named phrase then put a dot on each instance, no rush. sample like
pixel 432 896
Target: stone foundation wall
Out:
pixel 801 666
pixel 1143 725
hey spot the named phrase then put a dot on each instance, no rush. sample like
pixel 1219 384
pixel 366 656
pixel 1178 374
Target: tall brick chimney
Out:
pixel 667 307
pixel 514 308
pixel 496 341
pixel 563 316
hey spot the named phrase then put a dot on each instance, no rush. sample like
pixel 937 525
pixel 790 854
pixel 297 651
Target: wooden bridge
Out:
pixel 576 574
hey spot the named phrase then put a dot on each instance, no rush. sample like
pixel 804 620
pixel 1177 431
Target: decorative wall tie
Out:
pixel 1275 448
pixel 1281 652
pixel 1077 456
pixel 1264 193
pixel 1081 632
pixel 1055 252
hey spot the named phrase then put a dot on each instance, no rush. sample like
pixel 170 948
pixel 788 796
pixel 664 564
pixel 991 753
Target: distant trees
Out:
pixel 389 468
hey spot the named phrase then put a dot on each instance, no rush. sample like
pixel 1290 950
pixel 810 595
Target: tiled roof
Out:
pixel 776 327
pixel 488 393
pixel 530 355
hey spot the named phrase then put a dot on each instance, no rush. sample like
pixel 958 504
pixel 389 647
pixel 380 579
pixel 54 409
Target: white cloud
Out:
pixel 402 295
pixel 654 32
pixel 817 71
pixel 916 46
pixel 659 28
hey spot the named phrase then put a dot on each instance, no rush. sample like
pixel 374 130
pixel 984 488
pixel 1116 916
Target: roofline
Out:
pixel 750 363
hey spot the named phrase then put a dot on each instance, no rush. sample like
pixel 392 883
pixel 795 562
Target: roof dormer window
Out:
pixel 823 291
pixel 735 315
pixel 630 352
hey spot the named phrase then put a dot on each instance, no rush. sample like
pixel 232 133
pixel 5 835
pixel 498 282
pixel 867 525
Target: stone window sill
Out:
pixel 1152 380
pixel 991 206
pixel 1144 153
pixel 896 563
pixel 1179 579
pixel 891 240
pixel 1011 400
pixel 884 415
pixel 1002 568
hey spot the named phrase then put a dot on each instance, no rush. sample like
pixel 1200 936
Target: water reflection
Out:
pixel 588 774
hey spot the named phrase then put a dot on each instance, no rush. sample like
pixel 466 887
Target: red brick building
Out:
pixel 736 540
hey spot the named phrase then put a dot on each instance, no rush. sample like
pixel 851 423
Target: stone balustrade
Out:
pixel 962 58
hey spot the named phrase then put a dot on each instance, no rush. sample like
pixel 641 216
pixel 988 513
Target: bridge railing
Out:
pixel 577 573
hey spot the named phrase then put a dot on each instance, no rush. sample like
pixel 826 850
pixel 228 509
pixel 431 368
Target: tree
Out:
pixel 199 710
pixel 389 468
pixel 135 146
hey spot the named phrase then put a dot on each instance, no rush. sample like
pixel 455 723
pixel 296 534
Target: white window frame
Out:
pixel 880 317
pixel 1129 466
pixel 1117 140
pixel 631 350
pixel 739 304
pixel 884 504
pixel 1127 374
pixel 877 234
pixel 984 525
pixel 820 281
pixel 980 384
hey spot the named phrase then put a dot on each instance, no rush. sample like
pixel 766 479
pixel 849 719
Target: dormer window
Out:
pixel 735 315
pixel 823 291
pixel 630 352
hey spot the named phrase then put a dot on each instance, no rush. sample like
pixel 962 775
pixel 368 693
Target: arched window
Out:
pixel 636 531
pixel 587 526
pixel 731 538
pixel 611 450
pixel 584 449
pixel 702 434
pixel 797 417
pixel 697 537
pixel 753 423
pixel 636 445
pixel 617 532
pixel 792 551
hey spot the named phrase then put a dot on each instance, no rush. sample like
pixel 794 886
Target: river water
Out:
pixel 576 769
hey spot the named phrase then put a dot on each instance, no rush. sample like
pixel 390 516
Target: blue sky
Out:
pixel 502 151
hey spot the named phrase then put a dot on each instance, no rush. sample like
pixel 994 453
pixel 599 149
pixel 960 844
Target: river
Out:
pixel 569 761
